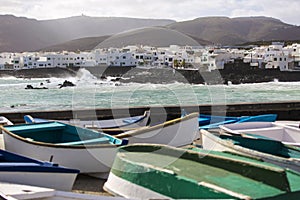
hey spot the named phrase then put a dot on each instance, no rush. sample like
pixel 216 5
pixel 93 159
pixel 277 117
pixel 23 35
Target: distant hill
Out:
pixel 81 44
pixel 153 36
pixel 84 33
pixel 230 31
pixel 23 34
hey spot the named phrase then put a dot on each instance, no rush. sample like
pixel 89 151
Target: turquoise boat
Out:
pixel 70 146
pixel 162 172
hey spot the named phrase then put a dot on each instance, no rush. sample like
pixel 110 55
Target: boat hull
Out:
pixel 11 191
pixel 121 187
pixel 279 132
pixel 61 181
pixel 96 159
pixel 178 132
pixel 149 171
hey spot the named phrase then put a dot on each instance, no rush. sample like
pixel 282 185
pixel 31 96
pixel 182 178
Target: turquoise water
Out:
pixel 90 92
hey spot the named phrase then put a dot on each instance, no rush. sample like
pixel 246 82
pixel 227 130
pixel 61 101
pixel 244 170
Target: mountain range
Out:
pixel 19 34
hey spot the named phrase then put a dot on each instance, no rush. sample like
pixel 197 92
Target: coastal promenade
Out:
pixel 288 110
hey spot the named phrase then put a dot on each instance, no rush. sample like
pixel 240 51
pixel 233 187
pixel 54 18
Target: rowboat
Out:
pixel 126 123
pixel 266 149
pixel 178 132
pixel 148 171
pixel 15 168
pixel 70 146
pixel 10 191
pixel 213 121
pixel 273 130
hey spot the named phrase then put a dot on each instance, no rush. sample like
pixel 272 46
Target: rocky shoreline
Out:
pixel 40 73
pixel 235 73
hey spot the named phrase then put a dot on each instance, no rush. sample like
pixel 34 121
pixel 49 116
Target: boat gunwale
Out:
pixel 156 127
pixel 58 146
pixel 142 117
pixel 244 150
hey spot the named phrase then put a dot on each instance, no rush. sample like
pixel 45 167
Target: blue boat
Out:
pixel 19 169
pixel 89 151
pixel 124 123
pixel 213 121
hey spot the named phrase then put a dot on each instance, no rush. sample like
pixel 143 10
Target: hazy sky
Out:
pixel 179 10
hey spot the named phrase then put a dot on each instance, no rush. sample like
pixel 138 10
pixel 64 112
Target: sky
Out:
pixel 180 10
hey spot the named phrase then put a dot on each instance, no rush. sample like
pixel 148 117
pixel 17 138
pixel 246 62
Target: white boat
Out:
pixel 289 123
pixel 273 130
pixel 15 168
pixel 89 151
pixel 268 150
pixel 120 123
pixel 9 191
pixel 178 132
pixel 4 121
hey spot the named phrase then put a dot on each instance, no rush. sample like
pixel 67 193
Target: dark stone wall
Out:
pixel 284 110
pixel 39 73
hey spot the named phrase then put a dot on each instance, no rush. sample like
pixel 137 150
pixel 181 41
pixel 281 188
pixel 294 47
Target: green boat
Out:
pixel 144 171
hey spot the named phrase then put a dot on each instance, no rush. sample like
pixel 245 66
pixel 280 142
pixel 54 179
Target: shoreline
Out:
pixel 233 73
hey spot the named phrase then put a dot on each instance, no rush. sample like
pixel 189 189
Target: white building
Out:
pixel 270 57
pixel 6 61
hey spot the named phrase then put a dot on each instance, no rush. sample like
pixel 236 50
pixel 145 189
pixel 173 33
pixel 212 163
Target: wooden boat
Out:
pixel 213 122
pixel 9 191
pixel 276 131
pixel 266 149
pixel 70 146
pixel 120 123
pixel 144 171
pixel 177 132
pixel 15 168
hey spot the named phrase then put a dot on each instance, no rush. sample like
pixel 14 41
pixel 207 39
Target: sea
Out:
pixel 90 92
